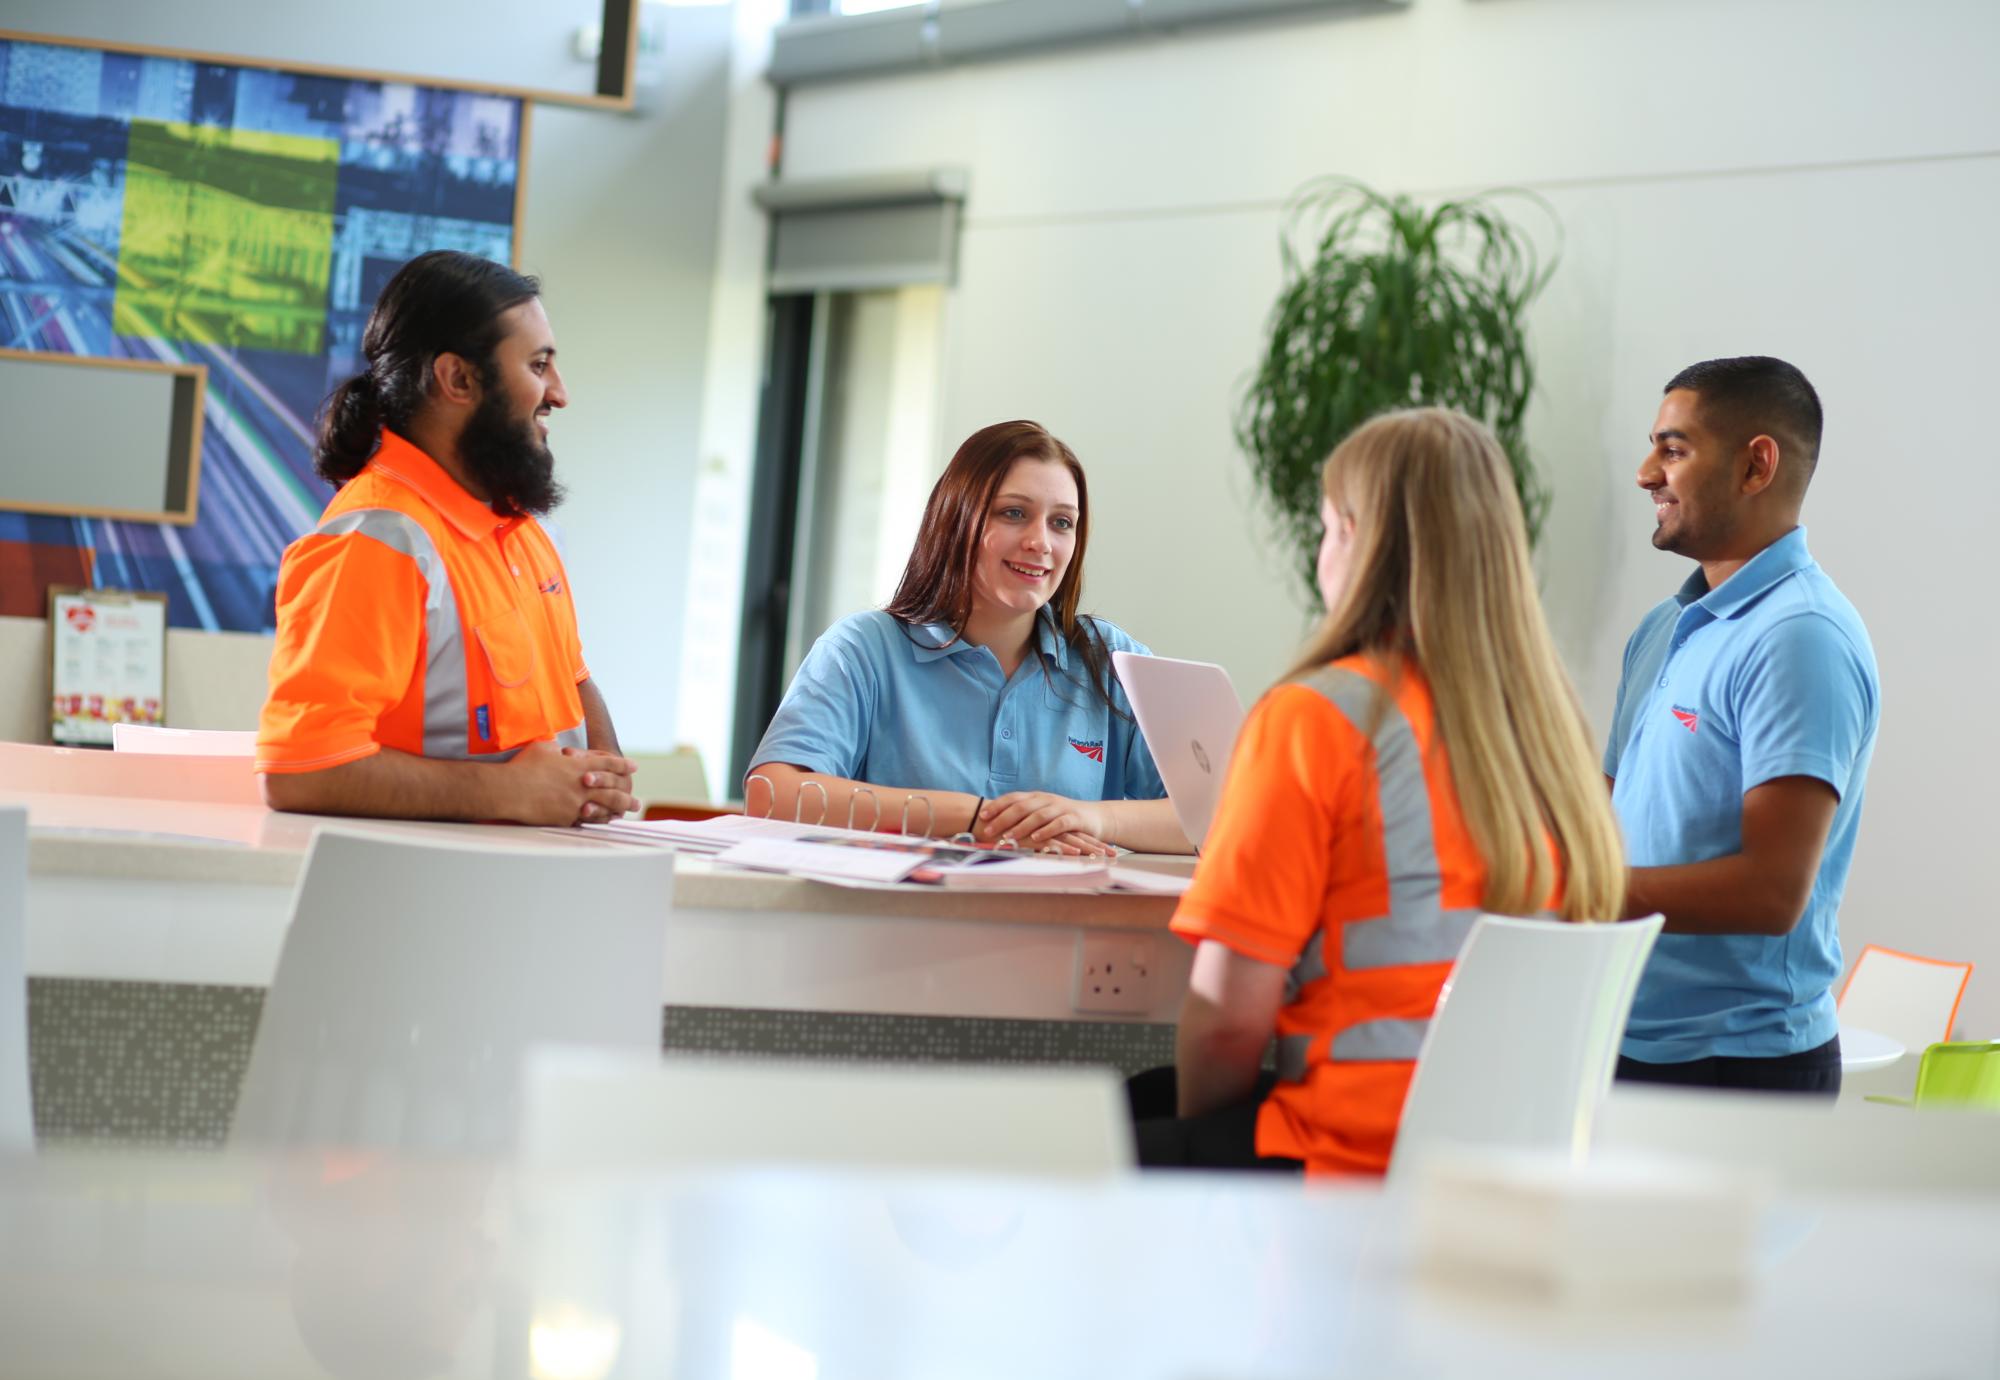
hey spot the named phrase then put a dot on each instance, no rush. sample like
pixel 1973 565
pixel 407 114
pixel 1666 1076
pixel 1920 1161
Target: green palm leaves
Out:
pixel 1394 306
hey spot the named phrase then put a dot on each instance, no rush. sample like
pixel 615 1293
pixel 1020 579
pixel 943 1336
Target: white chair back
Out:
pixel 1911 999
pixel 597 1110
pixel 184 742
pixel 1525 1038
pixel 676 777
pixel 1807 1144
pixel 17 1118
pixel 415 975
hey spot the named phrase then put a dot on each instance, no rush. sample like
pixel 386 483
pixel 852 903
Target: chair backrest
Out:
pixel 415 975
pixel 17 1120
pixel 602 1110
pixel 1909 998
pixel 184 742
pixel 676 777
pixel 1960 1075
pixel 1808 1144
pixel 1525 1038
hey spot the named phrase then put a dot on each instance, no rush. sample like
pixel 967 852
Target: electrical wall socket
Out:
pixel 1116 974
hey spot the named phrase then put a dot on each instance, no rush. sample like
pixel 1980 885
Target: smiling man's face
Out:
pixel 505 441
pixel 1691 473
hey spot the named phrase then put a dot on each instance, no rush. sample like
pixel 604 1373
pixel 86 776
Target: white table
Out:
pixel 223 1267
pixel 1862 1050
pixel 142 888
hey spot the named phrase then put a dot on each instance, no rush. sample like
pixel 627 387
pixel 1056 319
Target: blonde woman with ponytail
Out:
pixel 1425 760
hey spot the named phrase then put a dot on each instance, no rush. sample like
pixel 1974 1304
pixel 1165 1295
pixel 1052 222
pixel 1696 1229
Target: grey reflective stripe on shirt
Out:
pixel 445 694
pixel 1417 928
pixel 447 700
pixel 1373 1042
pixel 1292 1057
pixel 1310 967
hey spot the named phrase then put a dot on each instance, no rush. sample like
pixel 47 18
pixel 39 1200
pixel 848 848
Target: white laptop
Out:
pixel 1189 713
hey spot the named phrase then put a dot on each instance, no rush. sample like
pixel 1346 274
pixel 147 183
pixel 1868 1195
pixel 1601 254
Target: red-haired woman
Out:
pixel 979 700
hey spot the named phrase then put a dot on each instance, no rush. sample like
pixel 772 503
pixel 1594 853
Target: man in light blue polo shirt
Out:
pixel 1746 718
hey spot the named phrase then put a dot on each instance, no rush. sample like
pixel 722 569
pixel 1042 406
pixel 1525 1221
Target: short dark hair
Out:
pixel 443 302
pixel 1756 394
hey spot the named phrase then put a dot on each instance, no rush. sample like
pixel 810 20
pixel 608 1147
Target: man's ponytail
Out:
pixel 350 427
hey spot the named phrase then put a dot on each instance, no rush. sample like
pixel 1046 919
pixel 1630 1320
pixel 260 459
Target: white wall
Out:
pixel 720 503
pixel 1816 179
pixel 621 223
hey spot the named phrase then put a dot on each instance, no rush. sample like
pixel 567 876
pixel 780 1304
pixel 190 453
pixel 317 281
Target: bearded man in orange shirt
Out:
pixel 427 663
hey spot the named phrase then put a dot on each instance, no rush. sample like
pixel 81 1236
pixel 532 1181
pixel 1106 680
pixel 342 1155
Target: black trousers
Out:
pixel 1222 1139
pixel 1812 1071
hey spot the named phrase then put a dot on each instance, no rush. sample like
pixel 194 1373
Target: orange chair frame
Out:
pixel 1951 1021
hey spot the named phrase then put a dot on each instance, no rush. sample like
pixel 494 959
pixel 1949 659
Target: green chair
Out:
pixel 1955 1075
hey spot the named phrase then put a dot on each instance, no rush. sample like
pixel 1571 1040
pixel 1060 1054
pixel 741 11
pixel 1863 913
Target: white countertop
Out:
pixel 151 840
pixel 129 884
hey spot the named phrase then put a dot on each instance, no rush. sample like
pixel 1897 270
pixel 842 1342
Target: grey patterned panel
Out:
pixel 916 1039
pixel 160 1063
pixel 137 1062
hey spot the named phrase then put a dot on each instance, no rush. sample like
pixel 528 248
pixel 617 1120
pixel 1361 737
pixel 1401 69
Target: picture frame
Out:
pixel 180 458
pixel 300 194
pixel 614 88
pixel 107 662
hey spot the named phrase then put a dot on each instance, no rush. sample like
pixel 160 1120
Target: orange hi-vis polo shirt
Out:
pixel 416 618
pixel 1339 852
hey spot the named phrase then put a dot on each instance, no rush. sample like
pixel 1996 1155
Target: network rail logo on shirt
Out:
pixel 1689 719
pixel 1093 749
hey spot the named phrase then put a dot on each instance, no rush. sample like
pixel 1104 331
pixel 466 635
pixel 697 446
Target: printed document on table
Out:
pixel 711 835
pixel 863 857
pixel 1144 879
pixel 1064 874
pixel 1031 873
pixel 828 853
pixel 822 860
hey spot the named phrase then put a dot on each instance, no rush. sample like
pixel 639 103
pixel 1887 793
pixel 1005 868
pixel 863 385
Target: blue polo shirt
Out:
pixel 1770 675
pixel 878 701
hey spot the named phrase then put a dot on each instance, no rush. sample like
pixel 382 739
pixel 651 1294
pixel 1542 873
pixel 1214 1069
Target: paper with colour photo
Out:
pixel 801 858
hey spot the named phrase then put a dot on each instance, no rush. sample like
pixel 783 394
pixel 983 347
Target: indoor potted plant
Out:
pixel 1389 305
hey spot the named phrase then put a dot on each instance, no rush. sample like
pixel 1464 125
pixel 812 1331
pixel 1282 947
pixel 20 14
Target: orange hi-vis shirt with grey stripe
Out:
pixel 1339 852
pixel 416 618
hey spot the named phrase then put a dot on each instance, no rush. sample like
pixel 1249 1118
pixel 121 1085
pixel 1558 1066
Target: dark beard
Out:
pixel 506 459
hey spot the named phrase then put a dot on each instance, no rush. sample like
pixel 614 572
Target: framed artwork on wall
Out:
pixel 238 217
